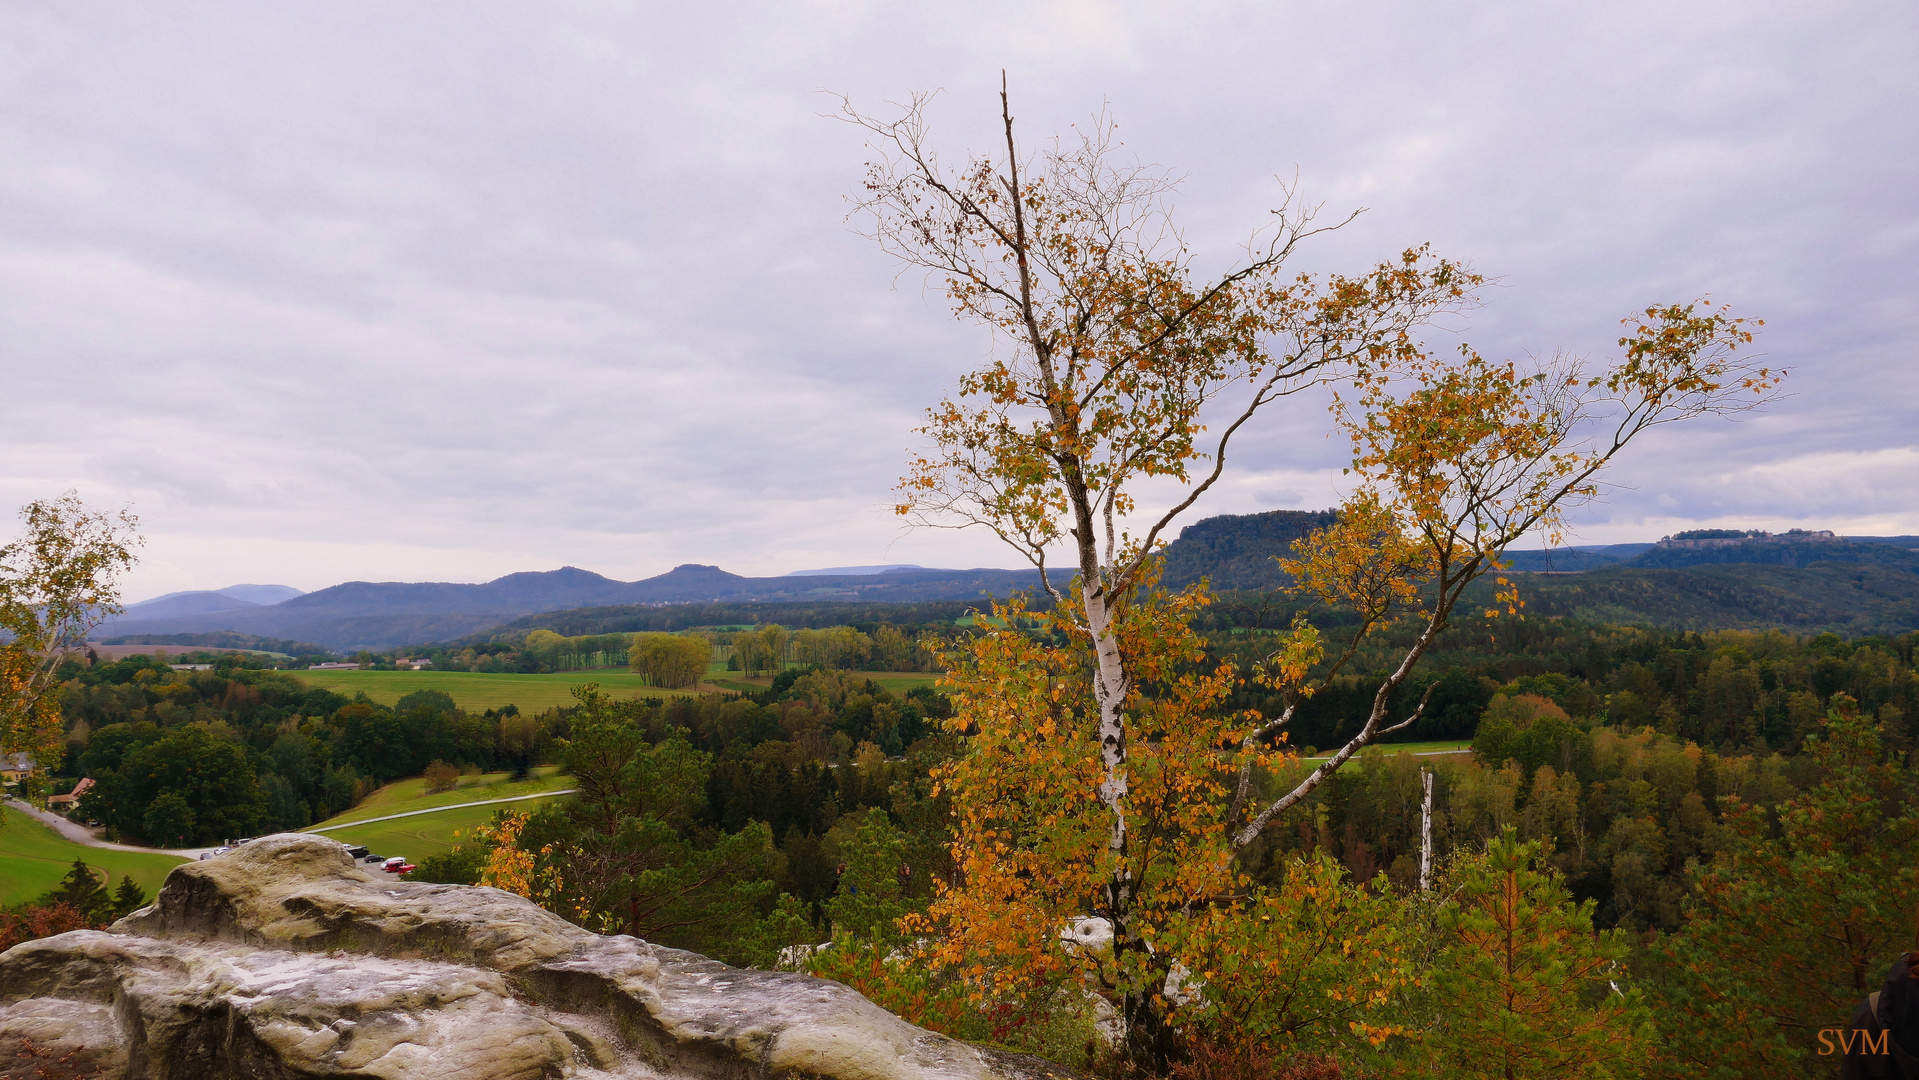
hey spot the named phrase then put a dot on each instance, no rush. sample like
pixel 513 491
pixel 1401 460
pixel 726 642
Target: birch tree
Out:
pixel 57 581
pixel 1119 362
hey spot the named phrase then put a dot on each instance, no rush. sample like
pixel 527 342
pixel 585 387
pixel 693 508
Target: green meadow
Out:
pixel 33 859
pixel 474 690
pixel 428 834
pixel 1387 750
pixel 404 796
pixel 1449 746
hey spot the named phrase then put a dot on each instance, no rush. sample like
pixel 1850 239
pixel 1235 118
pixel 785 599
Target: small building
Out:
pixel 15 767
pixel 65 802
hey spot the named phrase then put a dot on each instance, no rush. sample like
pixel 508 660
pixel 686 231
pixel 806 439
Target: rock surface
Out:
pixel 285 959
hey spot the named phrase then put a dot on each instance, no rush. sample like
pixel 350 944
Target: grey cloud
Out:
pixel 368 290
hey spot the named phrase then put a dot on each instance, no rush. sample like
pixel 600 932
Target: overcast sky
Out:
pixel 442 292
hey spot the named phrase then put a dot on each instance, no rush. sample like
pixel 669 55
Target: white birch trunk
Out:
pixel 1426 835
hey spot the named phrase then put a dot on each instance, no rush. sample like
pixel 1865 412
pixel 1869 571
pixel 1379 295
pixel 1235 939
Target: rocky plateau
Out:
pixel 285 959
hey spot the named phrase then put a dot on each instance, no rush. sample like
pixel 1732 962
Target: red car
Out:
pixel 397 865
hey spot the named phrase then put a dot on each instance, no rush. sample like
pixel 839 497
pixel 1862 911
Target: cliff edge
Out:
pixel 285 959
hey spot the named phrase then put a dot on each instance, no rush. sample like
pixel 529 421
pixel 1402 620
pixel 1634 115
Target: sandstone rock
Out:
pixel 284 958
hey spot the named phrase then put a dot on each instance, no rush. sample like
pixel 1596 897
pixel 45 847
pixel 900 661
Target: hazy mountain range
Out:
pixel 1236 552
pixel 206 602
pixel 382 614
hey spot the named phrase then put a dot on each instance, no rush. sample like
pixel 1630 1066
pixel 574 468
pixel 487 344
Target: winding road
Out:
pixel 437 809
pixel 79 834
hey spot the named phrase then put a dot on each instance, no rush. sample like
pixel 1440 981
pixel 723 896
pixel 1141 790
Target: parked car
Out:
pixel 374 859
pixel 357 852
pixel 396 865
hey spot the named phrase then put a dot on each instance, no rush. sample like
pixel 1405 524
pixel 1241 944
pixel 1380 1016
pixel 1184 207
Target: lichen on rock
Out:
pixel 284 958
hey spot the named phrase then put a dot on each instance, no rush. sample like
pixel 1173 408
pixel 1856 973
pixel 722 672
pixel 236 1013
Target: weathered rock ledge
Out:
pixel 285 959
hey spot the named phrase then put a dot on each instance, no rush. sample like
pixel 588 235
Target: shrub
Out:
pixel 441 777
pixel 461 866
pixel 38 921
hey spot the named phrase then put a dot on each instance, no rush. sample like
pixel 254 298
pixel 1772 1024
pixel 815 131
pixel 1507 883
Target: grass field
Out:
pixel 33 859
pixel 475 690
pixel 403 796
pixel 430 834
pixel 1444 747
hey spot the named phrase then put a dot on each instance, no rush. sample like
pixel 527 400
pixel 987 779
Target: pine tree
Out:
pixel 128 897
pixel 81 890
pixel 1527 989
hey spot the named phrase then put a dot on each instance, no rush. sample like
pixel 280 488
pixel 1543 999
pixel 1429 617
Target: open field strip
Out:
pixel 1443 748
pixel 474 690
pixel 439 810
pixel 33 859
pixel 416 837
pixel 403 796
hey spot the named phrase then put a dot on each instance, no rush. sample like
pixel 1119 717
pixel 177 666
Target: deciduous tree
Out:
pixel 1118 346
pixel 1788 930
pixel 57 581
pixel 1121 364
pixel 670 660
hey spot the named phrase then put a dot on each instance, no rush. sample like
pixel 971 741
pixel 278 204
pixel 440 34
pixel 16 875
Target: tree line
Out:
pixel 1731 691
pixel 189 757
pixel 672 659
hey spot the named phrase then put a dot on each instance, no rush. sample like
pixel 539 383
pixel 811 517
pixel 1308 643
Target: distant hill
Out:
pixel 206 601
pixel 1850 598
pixel 1572 560
pixel 261 594
pixel 848 571
pixel 364 614
pixel 1239 551
pixel 1910 543
pixel 631 618
pixel 1236 551
pixel 175 605
pixel 1778 551
pixel 178 644
pixel 1792 581
pixel 1852 586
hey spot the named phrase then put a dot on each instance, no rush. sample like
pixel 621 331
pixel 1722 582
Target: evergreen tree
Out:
pixel 1786 934
pixel 629 856
pixel 869 902
pixel 1526 988
pixel 128 897
pixel 81 890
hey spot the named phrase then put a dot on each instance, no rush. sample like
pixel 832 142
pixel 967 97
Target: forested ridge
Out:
pixel 1644 774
